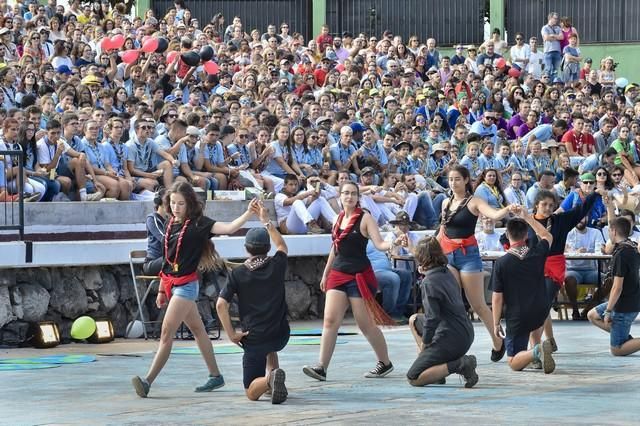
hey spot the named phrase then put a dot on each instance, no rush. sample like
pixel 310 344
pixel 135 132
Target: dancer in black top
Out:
pixel 444 332
pixel 187 249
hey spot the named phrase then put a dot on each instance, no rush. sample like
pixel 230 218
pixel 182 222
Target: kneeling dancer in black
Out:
pixel 444 332
pixel 519 286
pixel 259 285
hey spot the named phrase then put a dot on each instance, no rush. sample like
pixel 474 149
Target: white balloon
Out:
pixel 622 82
pixel 135 330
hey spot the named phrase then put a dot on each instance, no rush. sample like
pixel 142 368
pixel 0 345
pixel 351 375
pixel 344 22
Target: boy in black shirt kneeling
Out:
pixel 617 314
pixel 259 285
pixel 519 286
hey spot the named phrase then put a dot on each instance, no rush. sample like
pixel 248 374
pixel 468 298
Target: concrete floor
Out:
pixel 589 387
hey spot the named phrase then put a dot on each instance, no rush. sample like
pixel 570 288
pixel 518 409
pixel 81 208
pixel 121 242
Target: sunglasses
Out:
pixel 488 117
pixel 243 136
pixel 588 183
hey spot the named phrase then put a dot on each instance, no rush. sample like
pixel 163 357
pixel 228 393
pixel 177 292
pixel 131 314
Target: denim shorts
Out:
pixel 351 288
pixel 583 276
pixel 620 325
pixel 187 291
pixel 469 262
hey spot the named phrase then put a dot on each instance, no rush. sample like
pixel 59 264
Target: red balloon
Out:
pixel 117 41
pixel 211 67
pixel 171 56
pixel 500 62
pixel 340 67
pixel 106 44
pixel 150 45
pixel 514 72
pixel 130 56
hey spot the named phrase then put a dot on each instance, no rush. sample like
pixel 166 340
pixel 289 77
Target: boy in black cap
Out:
pixel 259 285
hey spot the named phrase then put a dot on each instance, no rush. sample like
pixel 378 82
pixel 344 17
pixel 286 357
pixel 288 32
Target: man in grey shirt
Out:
pixel 552 34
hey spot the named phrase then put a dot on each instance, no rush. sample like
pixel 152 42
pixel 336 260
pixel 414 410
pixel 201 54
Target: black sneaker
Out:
pixel 467 370
pixel 141 386
pixel 380 371
pixel 317 372
pixel 278 389
pixel 498 355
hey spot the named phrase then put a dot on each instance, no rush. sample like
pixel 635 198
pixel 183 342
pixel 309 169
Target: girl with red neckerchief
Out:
pixel 348 279
pixel 187 249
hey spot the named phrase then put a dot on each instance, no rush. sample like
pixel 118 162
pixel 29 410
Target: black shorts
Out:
pixel 439 352
pixel 516 344
pixel 254 361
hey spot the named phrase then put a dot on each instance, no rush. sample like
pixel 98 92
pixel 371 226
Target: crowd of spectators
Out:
pixel 109 106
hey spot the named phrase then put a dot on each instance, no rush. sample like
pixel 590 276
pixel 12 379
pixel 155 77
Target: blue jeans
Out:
pixel 395 285
pixel 620 325
pixel 428 210
pixel 552 61
pixel 53 187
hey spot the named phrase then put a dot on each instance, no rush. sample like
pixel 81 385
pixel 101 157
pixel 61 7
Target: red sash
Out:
pixel 555 268
pixel 449 246
pixel 167 282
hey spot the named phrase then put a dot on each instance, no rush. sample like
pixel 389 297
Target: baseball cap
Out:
pixel 284 61
pixel 91 80
pixel 257 237
pixel 368 170
pixel 587 177
pixel 64 69
pixel 193 131
pixel 4 31
pixel 321 120
pixel 390 99
pixel 357 127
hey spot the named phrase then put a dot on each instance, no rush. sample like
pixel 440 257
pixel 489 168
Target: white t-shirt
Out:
pixel 519 53
pixel 46 152
pixel 282 211
pixel 535 64
pixel 588 240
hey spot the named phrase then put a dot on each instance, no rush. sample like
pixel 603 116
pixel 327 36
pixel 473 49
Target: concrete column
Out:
pixel 496 14
pixel 142 6
pixel 319 15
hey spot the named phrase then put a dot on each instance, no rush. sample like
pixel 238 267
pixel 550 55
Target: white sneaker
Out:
pixel 96 196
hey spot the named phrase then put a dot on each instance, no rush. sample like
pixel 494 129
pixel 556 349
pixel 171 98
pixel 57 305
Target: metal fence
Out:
pixel 12 212
pixel 254 13
pixel 596 20
pixel 449 22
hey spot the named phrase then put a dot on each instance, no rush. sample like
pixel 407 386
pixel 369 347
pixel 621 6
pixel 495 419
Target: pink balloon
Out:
pixel 130 56
pixel 340 67
pixel 171 56
pixel 117 41
pixel 500 62
pixel 145 38
pixel 211 67
pixel 150 45
pixel 106 44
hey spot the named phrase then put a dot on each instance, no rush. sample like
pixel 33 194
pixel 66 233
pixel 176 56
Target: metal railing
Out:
pixel 12 211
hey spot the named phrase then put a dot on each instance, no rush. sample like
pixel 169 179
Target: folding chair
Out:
pixel 137 257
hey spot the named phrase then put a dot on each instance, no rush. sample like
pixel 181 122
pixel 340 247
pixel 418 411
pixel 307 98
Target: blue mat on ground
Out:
pixel 50 359
pixel 219 350
pixel 317 332
pixel 17 367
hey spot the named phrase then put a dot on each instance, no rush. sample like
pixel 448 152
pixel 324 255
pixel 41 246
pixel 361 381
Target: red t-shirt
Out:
pixel 320 75
pixel 323 40
pixel 578 141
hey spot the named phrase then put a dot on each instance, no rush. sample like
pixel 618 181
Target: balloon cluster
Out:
pixel 160 45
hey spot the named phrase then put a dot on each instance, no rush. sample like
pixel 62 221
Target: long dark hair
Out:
pixel 429 254
pixel 464 172
pixel 194 206
pixel 497 185
pixel 543 194
pixel 27 144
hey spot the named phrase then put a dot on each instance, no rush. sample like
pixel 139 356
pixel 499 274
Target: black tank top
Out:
pixel 462 223
pixel 352 252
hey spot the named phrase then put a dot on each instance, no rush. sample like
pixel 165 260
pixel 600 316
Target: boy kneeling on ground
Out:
pixel 259 285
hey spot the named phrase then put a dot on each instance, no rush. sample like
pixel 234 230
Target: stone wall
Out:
pixel 63 294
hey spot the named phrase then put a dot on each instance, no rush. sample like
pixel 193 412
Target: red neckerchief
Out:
pixel 338 235
pixel 174 265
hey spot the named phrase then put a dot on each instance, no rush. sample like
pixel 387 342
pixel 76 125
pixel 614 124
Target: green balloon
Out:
pixel 83 327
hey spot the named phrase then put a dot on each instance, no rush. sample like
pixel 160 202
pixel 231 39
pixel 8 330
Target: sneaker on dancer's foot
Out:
pixel 536 364
pixel 317 372
pixel 554 346
pixel 214 382
pixel 467 370
pixel 141 386
pixel 278 389
pixel 498 355
pixel 380 371
pixel 548 364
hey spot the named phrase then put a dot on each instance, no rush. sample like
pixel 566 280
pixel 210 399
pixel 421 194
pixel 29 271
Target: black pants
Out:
pixel 439 352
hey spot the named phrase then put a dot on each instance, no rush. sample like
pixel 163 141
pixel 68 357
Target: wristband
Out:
pixel 162 292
